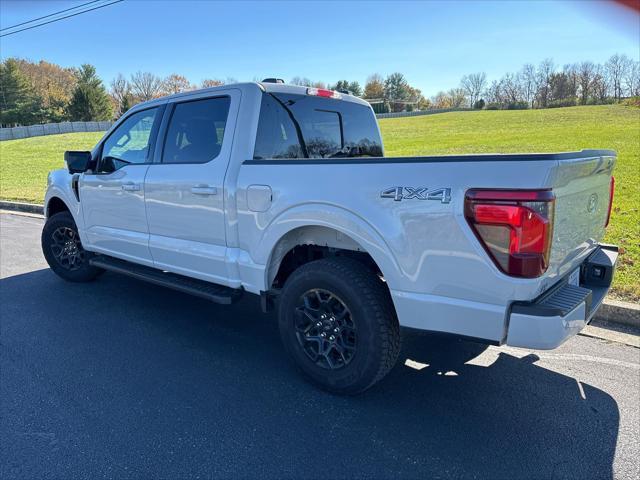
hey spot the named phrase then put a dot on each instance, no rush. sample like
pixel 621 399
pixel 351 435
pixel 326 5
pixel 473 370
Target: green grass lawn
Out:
pixel 25 163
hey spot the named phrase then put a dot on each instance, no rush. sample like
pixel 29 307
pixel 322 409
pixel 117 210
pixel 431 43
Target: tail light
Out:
pixel 321 92
pixel 612 188
pixel 514 226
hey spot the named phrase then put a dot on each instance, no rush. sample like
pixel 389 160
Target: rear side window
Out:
pixel 302 126
pixel 277 136
pixel 196 131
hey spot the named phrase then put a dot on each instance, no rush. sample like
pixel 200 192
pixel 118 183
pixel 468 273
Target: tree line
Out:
pixel 547 86
pixel 44 92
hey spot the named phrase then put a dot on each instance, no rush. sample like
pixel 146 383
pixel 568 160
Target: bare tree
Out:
pixel 146 85
pixel 586 74
pixel 616 68
pixel 457 96
pixel 454 98
pixel 494 92
pixel 473 85
pixel 545 70
pixel 510 88
pixel 175 83
pixel 632 79
pixel 211 82
pixel 440 100
pixel 599 85
pixel 528 80
pixel 302 81
pixel 571 73
pixel 120 91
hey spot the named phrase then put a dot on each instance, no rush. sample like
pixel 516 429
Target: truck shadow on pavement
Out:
pixel 125 379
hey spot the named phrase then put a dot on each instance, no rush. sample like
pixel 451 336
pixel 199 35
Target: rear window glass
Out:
pixel 196 131
pixel 302 126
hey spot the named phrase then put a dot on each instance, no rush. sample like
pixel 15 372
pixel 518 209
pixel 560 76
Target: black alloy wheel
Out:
pixel 325 329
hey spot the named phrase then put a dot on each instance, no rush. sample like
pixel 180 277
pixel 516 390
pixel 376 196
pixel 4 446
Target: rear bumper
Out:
pixel 563 311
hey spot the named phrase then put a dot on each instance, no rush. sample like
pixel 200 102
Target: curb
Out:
pixel 623 313
pixel 611 311
pixel 22 207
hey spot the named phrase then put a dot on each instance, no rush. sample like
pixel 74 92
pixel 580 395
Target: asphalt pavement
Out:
pixel 121 379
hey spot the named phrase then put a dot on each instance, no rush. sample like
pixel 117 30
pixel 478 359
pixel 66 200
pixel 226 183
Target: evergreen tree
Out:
pixel 90 101
pixel 396 87
pixel 355 88
pixel 127 103
pixel 396 91
pixel 19 104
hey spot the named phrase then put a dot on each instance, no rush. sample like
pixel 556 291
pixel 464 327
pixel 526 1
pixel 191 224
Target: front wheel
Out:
pixel 63 251
pixel 338 323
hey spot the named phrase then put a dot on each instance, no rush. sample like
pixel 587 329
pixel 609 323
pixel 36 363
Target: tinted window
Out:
pixel 196 131
pixel 322 133
pixel 277 136
pixel 302 126
pixel 129 142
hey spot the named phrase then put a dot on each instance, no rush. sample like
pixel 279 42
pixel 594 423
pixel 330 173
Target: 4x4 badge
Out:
pixel 417 193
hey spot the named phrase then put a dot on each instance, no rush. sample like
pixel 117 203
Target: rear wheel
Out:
pixel 338 324
pixel 63 250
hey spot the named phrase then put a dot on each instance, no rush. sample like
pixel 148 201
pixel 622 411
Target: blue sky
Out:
pixel 432 43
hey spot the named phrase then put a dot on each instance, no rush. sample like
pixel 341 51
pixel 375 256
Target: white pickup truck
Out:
pixel 284 192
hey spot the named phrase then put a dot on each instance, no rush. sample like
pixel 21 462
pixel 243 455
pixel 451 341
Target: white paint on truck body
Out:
pixel 440 276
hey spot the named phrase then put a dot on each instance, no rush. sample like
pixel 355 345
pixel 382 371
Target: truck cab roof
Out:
pixel 264 86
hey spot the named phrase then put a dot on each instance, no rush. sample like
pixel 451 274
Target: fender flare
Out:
pixel 61 189
pixel 335 218
pixel 58 193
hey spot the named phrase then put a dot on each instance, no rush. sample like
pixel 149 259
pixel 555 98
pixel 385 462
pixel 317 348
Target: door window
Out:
pixel 129 143
pixel 196 131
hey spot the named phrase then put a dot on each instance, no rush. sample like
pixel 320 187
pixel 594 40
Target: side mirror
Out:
pixel 77 162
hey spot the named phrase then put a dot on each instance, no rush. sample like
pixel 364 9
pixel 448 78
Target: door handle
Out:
pixel 131 187
pixel 204 190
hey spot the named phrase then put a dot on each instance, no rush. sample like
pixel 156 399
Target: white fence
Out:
pixel 14 133
pixel 417 113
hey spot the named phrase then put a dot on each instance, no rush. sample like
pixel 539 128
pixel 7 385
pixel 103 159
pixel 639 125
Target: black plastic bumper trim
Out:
pixel 562 298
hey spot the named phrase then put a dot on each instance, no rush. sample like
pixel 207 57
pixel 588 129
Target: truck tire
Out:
pixel 63 251
pixel 338 323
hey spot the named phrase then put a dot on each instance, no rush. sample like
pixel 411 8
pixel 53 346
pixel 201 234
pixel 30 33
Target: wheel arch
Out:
pixel 334 229
pixel 58 199
pixel 54 205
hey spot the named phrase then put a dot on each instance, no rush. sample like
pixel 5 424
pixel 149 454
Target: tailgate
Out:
pixel 582 190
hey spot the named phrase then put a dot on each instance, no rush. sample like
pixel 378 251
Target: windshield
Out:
pixel 303 126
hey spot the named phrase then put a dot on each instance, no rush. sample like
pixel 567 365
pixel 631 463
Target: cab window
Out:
pixel 129 143
pixel 196 131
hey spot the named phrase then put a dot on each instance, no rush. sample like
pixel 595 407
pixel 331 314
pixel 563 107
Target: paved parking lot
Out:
pixel 118 378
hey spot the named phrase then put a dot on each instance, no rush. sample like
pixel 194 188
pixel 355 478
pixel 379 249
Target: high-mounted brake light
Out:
pixel 321 92
pixel 515 227
pixel 612 188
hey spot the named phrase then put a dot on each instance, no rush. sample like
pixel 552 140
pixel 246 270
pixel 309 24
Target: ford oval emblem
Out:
pixel 593 203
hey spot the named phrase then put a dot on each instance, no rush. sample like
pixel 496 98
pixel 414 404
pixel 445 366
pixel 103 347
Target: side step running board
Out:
pixel 210 291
